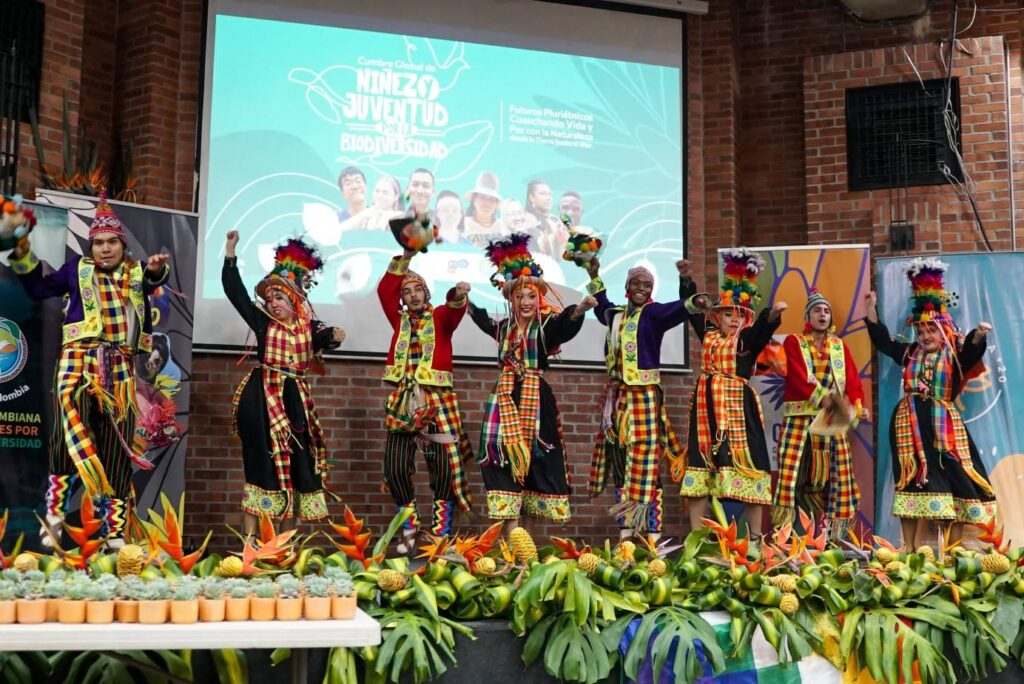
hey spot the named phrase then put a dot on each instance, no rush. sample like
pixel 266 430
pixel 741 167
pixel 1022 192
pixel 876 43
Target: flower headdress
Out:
pixel 515 265
pixel 929 297
pixel 739 282
pixel 296 266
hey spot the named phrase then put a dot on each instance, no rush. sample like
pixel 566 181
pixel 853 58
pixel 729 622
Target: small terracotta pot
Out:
pixel 185 612
pixel 127 611
pixel 7 612
pixel 261 609
pixel 71 612
pixel 289 608
pixel 153 612
pixel 52 609
pixel 99 612
pixel 317 607
pixel 211 610
pixel 31 611
pixel 236 609
pixel 343 607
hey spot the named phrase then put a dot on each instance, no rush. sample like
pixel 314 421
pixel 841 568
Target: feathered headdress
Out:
pixel 16 222
pixel 739 282
pixel 514 264
pixel 930 300
pixel 296 266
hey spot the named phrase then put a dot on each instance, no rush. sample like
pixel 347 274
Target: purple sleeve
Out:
pixel 56 284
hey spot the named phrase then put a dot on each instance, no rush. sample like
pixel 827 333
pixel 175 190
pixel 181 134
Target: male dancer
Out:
pixel 422 411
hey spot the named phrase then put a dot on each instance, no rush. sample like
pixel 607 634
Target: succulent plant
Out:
pixel 108 582
pixel 213 588
pixel 185 591
pixel 342 585
pixel 265 590
pixel 10 575
pixel 77 589
pixel 130 588
pixel 54 589
pixel 157 590
pixel 289 585
pixel 317 587
pixel 57 575
pixel 8 590
pixel 240 590
pixel 98 591
pixel 37 576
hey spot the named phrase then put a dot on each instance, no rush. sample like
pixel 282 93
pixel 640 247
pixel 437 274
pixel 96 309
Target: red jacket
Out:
pixel 799 389
pixel 446 318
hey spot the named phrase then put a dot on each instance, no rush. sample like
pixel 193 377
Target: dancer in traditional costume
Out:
pixel 522 455
pixel 938 471
pixel 820 376
pixel 274 416
pixel 422 412
pixel 727 455
pixel 635 428
pixel 107 321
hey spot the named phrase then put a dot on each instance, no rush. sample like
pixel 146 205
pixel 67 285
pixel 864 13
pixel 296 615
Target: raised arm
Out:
pixel 325 336
pixel 456 302
pixel 879 334
pixel 596 289
pixel 157 272
pixel 483 320
pixel 234 288
pixel 389 289
pixel 567 324
pixel 974 347
pixel 27 267
pixel 757 336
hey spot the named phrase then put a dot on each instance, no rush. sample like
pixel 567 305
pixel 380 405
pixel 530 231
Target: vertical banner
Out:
pixel 991 404
pixel 843 274
pixel 29 340
pixel 163 375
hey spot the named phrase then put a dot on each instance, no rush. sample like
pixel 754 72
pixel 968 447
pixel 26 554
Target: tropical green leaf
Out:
pixel 231 664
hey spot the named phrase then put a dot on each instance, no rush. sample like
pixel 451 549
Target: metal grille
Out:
pixel 896 136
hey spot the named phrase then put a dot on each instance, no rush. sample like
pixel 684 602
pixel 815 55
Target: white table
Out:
pixel 300 635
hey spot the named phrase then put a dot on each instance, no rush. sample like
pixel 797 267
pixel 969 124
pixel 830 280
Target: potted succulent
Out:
pixel 185 602
pixel 99 607
pixel 130 590
pixel 53 592
pixel 153 607
pixel 343 599
pixel 211 603
pixel 262 603
pixel 317 602
pixel 289 598
pixel 72 606
pixel 31 606
pixel 236 607
pixel 8 596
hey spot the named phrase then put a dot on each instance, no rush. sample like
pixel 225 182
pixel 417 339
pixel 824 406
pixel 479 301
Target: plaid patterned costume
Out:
pixel 936 466
pixel 283 449
pixel 818 467
pixel 635 429
pixel 428 418
pixel 522 453
pixel 94 398
pixel 726 453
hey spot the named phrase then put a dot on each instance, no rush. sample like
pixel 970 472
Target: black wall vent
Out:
pixel 896 135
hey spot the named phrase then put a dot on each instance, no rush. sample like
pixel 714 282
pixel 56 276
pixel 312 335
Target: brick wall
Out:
pixel 132 68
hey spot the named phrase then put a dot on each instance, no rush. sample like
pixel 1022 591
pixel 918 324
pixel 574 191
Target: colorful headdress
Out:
pixel 930 299
pixel 814 298
pixel 581 248
pixel 16 222
pixel 106 221
pixel 296 266
pixel 739 282
pixel 514 264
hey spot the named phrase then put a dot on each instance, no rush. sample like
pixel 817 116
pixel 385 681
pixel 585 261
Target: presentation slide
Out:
pixel 329 132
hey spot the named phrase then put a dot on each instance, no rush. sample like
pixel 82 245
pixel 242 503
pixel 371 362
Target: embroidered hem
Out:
pixel 312 505
pixel 504 505
pixel 258 501
pixel 727 483
pixel 551 506
pixel 942 506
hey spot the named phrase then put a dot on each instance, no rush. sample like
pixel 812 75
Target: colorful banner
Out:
pixel 357 127
pixel 162 376
pixel 842 274
pixel 27 357
pixel 992 404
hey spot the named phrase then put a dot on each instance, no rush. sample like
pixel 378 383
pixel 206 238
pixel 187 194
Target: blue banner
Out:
pixel 990 404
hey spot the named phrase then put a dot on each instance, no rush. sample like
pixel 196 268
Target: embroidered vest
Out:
pixel 837 365
pixel 425 374
pixel 91 325
pixel 623 351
